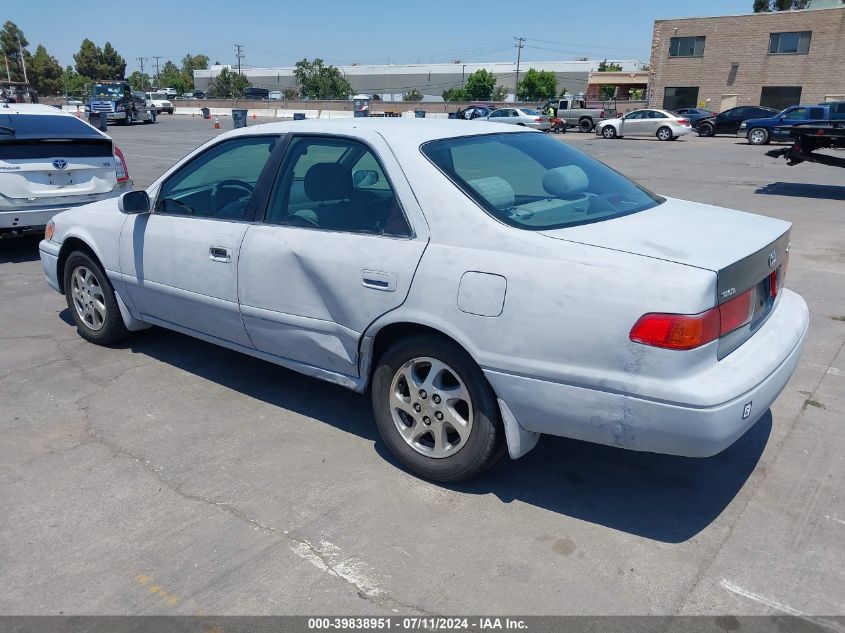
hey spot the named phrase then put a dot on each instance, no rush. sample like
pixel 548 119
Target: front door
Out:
pixel 180 263
pixel 335 252
pixel 632 124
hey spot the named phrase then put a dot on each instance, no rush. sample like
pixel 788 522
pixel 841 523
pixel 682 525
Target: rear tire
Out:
pixel 585 125
pixel 91 300
pixel 665 134
pixel 758 136
pixel 418 414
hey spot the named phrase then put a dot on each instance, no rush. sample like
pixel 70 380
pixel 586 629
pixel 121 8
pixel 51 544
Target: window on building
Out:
pixel 780 97
pixel 680 97
pixel 791 43
pixel 686 46
pixel 732 74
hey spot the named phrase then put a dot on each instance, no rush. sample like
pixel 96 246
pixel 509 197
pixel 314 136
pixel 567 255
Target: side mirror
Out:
pixel 364 178
pixel 134 202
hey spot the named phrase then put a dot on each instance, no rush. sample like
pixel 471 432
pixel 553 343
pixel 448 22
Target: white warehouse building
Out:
pixel 430 79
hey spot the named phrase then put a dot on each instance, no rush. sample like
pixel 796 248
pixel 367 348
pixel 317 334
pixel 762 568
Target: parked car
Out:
pixel 160 102
pixel 776 128
pixel 575 113
pixel 51 161
pixel 475 111
pixel 728 122
pixel 525 117
pixel 484 283
pixel 660 123
pixel 694 115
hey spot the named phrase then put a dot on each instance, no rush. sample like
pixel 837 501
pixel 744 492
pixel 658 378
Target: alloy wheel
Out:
pixel 88 298
pixel 431 407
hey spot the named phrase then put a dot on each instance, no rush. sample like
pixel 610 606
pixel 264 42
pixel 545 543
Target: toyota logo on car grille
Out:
pixel 59 163
pixel 773 259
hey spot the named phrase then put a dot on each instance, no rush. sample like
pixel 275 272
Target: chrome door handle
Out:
pixel 219 254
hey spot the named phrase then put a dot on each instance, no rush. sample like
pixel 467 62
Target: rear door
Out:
pixel 49 160
pixel 335 251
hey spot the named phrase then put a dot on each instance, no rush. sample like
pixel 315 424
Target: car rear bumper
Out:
pixel 49 252
pixel 39 214
pixel 635 423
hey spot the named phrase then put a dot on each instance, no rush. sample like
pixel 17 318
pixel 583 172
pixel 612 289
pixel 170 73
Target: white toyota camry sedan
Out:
pixel 485 284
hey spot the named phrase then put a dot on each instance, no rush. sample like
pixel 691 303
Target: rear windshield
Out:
pixel 532 181
pixel 44 126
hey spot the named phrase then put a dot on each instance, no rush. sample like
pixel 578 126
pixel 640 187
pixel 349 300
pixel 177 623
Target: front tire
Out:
pixel 585 125
pixel 608 131
pixel 664 134
pixel 705 129
pixel 91 301
pixel 435 410
pixel 758 136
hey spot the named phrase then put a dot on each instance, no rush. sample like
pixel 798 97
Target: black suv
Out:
pixel 728 122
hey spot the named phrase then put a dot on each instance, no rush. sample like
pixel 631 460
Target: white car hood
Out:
pixel 685 232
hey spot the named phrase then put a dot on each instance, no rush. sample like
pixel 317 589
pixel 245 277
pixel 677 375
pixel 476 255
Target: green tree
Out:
pixel 762 6
pixel 99 63
pixel 12 40
pixel 74 84
pixel 537 85
pixel 139 81
pixel 227 85
pixel 45 73
pixel 290 93
pixel 500 93
pixel 170 76
pixel 190 63
pixel 480 85
pixel 609 67
pixel 112 64
pixel 455 94
pixel 412 95
pixel 317 81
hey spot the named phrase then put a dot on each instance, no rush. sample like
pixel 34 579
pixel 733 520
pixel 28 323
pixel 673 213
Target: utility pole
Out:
pixel 141 61
pixel 239 54
pixel 23 61
pixel 520 43
pixel 157 57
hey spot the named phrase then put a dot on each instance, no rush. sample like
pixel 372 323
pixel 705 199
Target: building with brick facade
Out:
pixel 771 59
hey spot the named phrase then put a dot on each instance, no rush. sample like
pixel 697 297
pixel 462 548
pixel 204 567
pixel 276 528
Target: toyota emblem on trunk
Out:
pixel 773 259
pixel 60 163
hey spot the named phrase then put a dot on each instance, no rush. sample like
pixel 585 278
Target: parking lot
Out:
pixel 170 476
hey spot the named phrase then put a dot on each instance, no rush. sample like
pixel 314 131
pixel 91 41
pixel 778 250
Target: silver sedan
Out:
pixel 485 284
pixel 525 117
pixel 660 123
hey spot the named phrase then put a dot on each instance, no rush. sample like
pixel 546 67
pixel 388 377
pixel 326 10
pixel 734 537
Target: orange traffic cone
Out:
pixel 216 122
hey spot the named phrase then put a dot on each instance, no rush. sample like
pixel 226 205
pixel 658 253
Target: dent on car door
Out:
pixel 335 252
pixel 180 262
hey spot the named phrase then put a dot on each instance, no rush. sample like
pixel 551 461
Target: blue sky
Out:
pixel 381 31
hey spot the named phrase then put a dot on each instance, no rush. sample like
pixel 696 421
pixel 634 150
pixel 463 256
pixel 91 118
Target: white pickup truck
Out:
pixel 575 113
pixel 160 102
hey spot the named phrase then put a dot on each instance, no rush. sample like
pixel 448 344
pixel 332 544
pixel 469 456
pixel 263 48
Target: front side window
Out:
pixel 637 114
pixel 219 182
pixel 687 46
pixel 790 43
pixel 796 113
pixel 335 184
pixel 534 182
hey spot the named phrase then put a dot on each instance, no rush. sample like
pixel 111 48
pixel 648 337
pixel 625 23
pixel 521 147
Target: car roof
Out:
pixel 32 108
pixel 393 130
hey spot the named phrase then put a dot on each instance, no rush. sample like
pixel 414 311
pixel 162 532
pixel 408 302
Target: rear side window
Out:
pixel 45 126
pixel 531 181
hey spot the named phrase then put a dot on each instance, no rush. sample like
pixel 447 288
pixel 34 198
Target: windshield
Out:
pixel 158 95
pixel 532 181
pixel 108 90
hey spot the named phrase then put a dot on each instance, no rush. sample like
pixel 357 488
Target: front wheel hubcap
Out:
pixel 757 136
pixel 88 298
pixel 438 426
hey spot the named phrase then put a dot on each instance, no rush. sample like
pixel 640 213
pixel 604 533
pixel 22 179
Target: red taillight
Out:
pixel 683 122
pixel 676 331
pixel 688 331
pixel 120 169
pixel 539 120
pixel 601 114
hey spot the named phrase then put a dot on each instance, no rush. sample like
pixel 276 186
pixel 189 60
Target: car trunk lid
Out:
pixel 747 252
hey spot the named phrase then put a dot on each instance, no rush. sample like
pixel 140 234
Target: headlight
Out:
pixel 742 125
pixel 48 230
pixel 119 108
